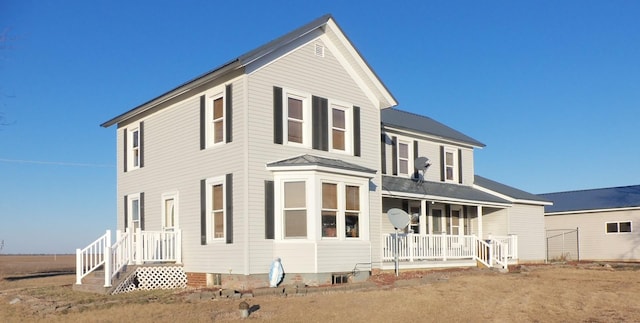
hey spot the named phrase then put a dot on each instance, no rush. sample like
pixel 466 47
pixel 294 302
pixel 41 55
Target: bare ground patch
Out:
pixel 568 292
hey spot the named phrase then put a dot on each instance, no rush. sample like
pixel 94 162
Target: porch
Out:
pixel 444 250
pixel 130 248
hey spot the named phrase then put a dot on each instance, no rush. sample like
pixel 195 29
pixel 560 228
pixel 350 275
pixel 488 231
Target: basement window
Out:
pixel 339 278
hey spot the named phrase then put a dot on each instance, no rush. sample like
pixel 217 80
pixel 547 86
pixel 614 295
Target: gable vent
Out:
pixel 319 50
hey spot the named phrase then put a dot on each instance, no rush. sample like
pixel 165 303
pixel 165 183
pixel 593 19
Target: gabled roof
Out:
pixel 506 190
pixel 323 23
pixel 414 122
pixel 594 199
pixel 440 191
pixel 317 161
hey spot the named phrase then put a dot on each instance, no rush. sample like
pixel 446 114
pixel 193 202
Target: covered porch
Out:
pixel 451 225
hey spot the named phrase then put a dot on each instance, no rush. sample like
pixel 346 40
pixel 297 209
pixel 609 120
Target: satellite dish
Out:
pixel 421 163
pixel 398 218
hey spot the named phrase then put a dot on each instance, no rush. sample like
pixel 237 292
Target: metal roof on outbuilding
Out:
pixel 593 199
pixel 414 122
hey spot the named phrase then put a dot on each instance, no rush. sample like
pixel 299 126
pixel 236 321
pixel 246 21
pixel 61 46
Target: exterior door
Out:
pixel 169 212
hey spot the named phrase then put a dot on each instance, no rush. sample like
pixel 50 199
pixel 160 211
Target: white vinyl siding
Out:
pixel 595 243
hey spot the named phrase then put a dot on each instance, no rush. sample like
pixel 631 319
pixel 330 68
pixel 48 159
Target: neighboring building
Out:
pixel 596 224
pixel 277 154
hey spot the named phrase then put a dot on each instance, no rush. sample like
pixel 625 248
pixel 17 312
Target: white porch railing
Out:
pixel 415 247
pixel 130 248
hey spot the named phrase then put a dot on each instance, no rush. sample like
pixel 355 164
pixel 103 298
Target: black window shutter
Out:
pixel 319 123
pixel 269 210
pixel 203 124
pixel 394 154
pixel 203 212
pixel 405 206
pixel 356 131
pixel 141 143
pixel 442 164
pixel 126 212
pixel 383 152
pixel 126 150
pixel 460 166
pixel 229 206
pixel 141 203
pixel 416 174
pixel 277 115
pixel 228 113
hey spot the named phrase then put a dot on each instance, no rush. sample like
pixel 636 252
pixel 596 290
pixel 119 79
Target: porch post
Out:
pixel 480 233
pixel 423 217
pixel 107 260
pixel 79 266
pixel 178 246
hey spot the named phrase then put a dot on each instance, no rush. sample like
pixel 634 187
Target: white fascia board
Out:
pixel 427 136
pixel 509 198
pixel 316 168
pixel 635 208
pixel 390 100
pixel 434 198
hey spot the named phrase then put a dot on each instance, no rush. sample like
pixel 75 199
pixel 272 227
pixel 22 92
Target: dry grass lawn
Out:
pixel 579 293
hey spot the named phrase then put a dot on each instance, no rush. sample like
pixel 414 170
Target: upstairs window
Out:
pixel 216 110
pixel 133 147
pixel 618 227
pixel 215 209
pixel 338 128
pixel 295 120
pixel 450 165
pixel 217 122
pixel 403 158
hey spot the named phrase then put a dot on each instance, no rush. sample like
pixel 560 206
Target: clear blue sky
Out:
pixel 551 87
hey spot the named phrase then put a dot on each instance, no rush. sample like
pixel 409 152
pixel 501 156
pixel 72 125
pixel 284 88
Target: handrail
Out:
pixel 484 252
pixel 121 254
pixel 92 257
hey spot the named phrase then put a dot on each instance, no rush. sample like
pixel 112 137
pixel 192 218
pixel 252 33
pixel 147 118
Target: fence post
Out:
pixel 578 242
pixel 178 246
pixel 139 248
pixel 445 245
pixel 79 266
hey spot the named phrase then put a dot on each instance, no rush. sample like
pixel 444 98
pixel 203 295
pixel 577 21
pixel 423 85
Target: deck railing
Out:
pixel 415 247
pixel 130 248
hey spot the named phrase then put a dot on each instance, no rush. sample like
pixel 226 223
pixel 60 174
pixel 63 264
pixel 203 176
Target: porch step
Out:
pixel 94 282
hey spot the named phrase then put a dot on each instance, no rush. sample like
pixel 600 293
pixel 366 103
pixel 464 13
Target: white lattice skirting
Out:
pixel 147 278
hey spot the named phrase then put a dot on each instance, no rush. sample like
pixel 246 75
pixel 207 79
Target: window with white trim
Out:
pixel 295 210
pixel 618 227
pixel 216 226
pixel 450 165
pixel 133 149
pixel 341 131
pixel 352 211
pixel 215 126
pixel 404 158
pixel 298 119
pixel 329 210
pixel 133 205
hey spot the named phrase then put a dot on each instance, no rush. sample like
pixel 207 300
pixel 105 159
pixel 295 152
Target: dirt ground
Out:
pixel 586 292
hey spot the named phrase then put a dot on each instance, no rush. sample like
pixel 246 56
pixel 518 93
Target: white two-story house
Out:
pixel 277 154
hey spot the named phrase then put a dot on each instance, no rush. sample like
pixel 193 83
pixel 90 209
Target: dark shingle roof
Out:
pixel 507 190
pixel 415 122
pixel 443 190
pixel 310 160
pixel 594 199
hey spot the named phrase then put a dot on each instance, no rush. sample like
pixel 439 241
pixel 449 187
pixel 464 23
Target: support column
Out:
pixel 480 233
pixel 424 217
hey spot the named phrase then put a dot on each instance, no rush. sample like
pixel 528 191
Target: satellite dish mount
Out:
pixel 421 164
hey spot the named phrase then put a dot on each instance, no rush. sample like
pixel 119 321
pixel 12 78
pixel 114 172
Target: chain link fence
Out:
pixel 563 245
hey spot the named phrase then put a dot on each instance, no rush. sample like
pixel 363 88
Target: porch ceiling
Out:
pixel 398 187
